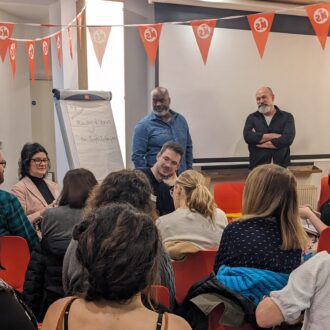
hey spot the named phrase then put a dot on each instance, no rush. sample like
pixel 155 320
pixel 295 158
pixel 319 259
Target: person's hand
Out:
pixel 49 206
pixel 266 145
pixel 305 212
pixel 170 181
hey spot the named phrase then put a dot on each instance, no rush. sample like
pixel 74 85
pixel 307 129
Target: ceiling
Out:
pixel 34 11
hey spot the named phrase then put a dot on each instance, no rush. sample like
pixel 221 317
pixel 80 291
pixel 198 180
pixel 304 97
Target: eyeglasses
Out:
pixel 172 191
pixel 3 163
pixel 38 161
pixel 170 161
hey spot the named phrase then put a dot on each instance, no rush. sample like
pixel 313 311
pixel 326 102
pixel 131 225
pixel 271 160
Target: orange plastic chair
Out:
pixel 14 260
pixel 325 191
pixel 191 269
pixel 228 196
pixel 213 321
pixel 324 241
pixel 160 294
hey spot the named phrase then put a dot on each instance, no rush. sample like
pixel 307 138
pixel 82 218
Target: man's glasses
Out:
pixel 38 161
pixel 3 163
pixel 170 161
pixel 172 191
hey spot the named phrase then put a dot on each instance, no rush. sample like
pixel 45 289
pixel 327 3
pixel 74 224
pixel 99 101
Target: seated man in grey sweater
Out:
pixel 308 290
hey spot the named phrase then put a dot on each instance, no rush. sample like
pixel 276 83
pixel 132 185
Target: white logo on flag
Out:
pixel 58 42
pixel 150 34
pixel 204 31
pixel 45 47
pixel 4 32
pixel 99 36
pixel 12 51
pixel 321 16
pixel 31 51
pixel 260 24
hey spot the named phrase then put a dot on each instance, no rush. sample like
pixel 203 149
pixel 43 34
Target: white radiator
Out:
pixel 307 195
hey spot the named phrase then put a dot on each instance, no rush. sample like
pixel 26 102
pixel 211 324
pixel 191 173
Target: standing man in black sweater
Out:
pixel 269 131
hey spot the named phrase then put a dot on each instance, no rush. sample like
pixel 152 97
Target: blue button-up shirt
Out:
pixel 150 133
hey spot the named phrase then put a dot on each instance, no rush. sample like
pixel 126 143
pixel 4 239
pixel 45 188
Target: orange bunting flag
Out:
pixel 150 35
pixel 6 30
pixel 58 47
pixel 70 41
pixel 30 48
pixel 319 18
pixel 79 19
pixel 260 25
pixel 99 36
pixel 203 31
pixel 12 56
pixel 45 46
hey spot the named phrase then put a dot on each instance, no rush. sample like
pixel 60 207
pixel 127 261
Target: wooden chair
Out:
pixel 14 260
pixel 190 270
pixel 228 196
pixel 325 191
pixel 324 241
pixel 160 294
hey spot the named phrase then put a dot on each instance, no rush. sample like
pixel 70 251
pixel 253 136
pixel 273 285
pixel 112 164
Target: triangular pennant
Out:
pixel 79 20
pixel 99 36
pixel 58 47
pixel 12 56
pixel 45 46
pixel 70 41
pixel 30 48
pixel 6 30
pixel 320 20
pixel 260 25
pixel 203 31
pixel 150 35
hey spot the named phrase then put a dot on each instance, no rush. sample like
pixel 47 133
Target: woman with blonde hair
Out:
pixel 196 218
pixel 269 236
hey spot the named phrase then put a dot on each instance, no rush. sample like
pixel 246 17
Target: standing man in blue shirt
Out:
pixel 160 126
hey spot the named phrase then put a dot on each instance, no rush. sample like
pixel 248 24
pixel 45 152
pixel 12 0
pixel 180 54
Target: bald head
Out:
pixel 161 102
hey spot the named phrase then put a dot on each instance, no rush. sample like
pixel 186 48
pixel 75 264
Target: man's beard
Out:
pixel 161 113
pixel 1 178
pixel 265 108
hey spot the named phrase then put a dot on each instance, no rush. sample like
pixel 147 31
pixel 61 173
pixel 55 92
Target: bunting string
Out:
pixel 260 25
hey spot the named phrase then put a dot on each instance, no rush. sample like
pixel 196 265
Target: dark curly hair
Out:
pixel 118 249
pixel 27 153
pixel 124 186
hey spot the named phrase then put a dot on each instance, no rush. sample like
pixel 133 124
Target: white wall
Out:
pixel 15 115
pixel 139 74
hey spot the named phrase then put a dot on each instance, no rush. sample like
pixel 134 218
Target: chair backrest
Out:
pixel 213 321
pixel 160 294
pixel 191 269
pixel 228 196
pixel 325 191
pixel 324 241
pixel 14 260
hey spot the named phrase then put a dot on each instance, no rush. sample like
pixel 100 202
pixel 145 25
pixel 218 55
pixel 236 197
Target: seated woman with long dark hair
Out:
pixel 125 186
pixel 265 245
pixel 118 251
pixel 34 191
pixel 43 280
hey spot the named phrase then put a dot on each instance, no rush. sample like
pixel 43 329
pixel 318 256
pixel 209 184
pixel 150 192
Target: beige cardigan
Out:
pixel 31 199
